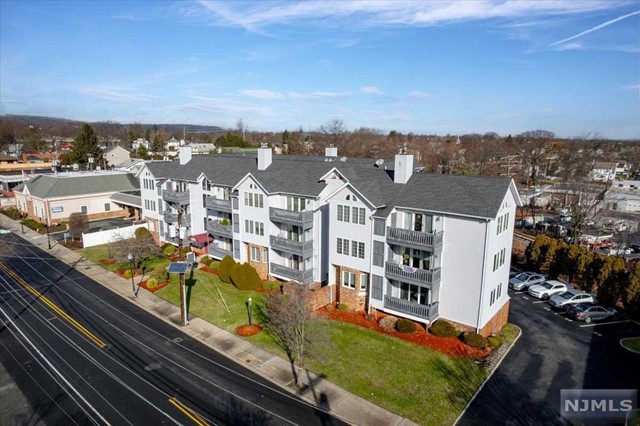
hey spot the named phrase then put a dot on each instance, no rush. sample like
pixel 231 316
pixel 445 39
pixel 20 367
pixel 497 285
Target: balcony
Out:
pixel 170 217
pixel 429 312
pixel 217 204
pixel 304 249
pixel 218 252
pixel 304 277
pixel 415 239
pixel 214 228
pixel 303 219
pixel 411 275
pixel 176 197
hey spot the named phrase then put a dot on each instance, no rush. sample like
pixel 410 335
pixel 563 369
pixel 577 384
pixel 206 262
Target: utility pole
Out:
pixel 184 320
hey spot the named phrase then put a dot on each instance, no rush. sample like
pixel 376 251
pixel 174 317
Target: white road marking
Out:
pixel 540 301
pixel 597 334
pixel 605 323
pixel 547 309
pixel 525 297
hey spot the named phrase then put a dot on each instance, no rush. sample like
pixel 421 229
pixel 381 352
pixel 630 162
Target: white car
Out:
pixel 570 297
pixel 4 231
pixel 525 279
pixel 548 289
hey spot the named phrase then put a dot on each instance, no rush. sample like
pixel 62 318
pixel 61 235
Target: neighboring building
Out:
pixel 623 196
pixel 115 155
pixel 203 148
pixel 135 145
pixel 172 145
pixel 8 159
pixel 603 171
pixel 53 198
pixel 371 235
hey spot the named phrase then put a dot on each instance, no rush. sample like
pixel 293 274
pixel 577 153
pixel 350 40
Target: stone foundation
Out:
pixel 262 267
pixel 353 298
pixel 499 320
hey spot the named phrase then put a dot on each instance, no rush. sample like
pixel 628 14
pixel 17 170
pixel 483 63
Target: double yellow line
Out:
pixel 192 415
pixel 54 307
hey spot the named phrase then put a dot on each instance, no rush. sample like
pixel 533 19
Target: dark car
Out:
pixel 588 312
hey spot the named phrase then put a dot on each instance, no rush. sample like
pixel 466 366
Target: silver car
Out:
pixel 588 312
pixel 570 297
pixel 523 280
pixel 547 289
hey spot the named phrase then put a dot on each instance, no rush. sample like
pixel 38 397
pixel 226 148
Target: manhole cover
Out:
pixel 153 366
pixel 178 340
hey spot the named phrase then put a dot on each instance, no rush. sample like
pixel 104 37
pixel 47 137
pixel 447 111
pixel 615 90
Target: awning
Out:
pixel 201 238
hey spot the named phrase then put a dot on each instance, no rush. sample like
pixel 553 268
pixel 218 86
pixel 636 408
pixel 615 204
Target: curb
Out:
pixel 629 349
pixel 490 374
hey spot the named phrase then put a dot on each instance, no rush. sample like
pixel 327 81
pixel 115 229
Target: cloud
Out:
pixel 596 28
pixel 223 106
pixel 253 16
pixel 262 94
pixel 570 46
pixel 111 95
pixel 371 90
pixel 419 95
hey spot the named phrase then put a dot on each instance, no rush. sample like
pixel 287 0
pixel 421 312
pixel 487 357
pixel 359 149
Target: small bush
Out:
pixel 474 339
pixel 406 326
pixel 245 277
pixel 494 341
pixel 388 323
pixel 141 233
pixel 206 260
pixel 127 273
pixel 169 249
pixel 186 249
pixel 159 274
pixel 442 328
pixel 343 307
pixel 152 283
pixel 271 285
pixel 225 269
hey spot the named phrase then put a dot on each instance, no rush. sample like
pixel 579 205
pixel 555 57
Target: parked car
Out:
pixel 570 297
pixel 588 312
pixel 547 289
pixel 525 279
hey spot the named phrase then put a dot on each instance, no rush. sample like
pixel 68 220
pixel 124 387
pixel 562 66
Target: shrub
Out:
pixel 442 328
pixel 159 274
pixel 271 285
pixel 245 277
pixel 474 339
pixel 225 269
pixel 141 233
pixel 343 307
pixel 127 273
pixel 388 323
pixel 169 249
pixel 206 260
pixel 405 326
pixel 186 249
pixel 494 341
pixel 152 283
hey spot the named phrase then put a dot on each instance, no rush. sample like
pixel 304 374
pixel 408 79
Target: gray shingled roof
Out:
pixel 465 195
pixel 44 186
pixel 128 199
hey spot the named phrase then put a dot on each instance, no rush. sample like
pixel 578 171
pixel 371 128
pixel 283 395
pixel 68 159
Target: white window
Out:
pixel 493 297
pixel 258 200
pixel 83 209
pixel 340 213
pixel 259 228
pixel 348 279
pixel 499 292
pixel 339 246
pixel 354 248
pixel 346 213
pixel 255 254
pixel 361 250
pixel 363 281
pixel 296 204
pixel 345 247
pixel 107 207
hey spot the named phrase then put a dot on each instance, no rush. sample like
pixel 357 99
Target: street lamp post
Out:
pixel 249 310
pixel 22 221
pixel 133 285
pixel 48 236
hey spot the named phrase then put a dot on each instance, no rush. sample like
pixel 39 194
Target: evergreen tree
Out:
pixel 84 144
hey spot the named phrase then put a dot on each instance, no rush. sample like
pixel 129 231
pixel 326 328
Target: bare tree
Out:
pixel 582 200
pixel 288 317
pixel 78 224
pixel 141 247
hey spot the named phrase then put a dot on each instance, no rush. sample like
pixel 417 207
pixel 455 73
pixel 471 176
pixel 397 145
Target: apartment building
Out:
pixel 366 233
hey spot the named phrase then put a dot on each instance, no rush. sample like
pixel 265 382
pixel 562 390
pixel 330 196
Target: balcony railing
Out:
pixel 429 312
pixel 304 277
pixel 411 275
pixel 218 252
pixel 220 230
pixel 304 249
pixel 304 219
pixel 176 197
pixel 170 217
pixel 217 204
pixel 415 239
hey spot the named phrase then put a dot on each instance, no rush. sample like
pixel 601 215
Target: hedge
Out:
pixel 442 328
pixel 141 233
pixel 152 283
pixel 343 307
pixel 388 323
pixel 406 326
pixel 159 274
pixel 474 339
pixel 245 277
pixel 206 260
pixel 225 269
pixel 169 249
pixel 494 341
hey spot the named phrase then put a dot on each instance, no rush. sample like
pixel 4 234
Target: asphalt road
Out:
pixel 54 321
pixel 553 353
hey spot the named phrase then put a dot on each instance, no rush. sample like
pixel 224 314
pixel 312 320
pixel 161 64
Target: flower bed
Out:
pixel 209 270
pixel 446 345
pixel 108 261
pixel 248 330
pixel 156 288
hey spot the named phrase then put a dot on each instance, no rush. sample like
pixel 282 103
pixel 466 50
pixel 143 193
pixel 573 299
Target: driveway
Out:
pixel 553 353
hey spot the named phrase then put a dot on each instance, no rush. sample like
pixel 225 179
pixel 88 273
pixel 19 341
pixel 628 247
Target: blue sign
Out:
pixel 57 209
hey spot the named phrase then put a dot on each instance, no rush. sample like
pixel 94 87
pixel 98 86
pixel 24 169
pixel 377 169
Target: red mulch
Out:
pixel 108 261
pixel 209 270
pixel 156 288
pixel 248 330
pixel 446 345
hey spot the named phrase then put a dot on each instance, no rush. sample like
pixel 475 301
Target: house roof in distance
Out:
pixel 79 183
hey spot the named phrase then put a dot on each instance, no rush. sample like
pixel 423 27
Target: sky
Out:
pixel 428 67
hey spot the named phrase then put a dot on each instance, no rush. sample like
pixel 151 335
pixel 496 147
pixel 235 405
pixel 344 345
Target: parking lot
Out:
pixel 554 352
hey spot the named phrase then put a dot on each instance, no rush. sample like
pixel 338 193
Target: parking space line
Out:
pixel 540 301
pixel 525 297
pixel 605 323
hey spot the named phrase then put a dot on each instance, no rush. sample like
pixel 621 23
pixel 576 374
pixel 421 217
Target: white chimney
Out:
pixel 403 167
pixel 331 151
pixel 184 153
pixel 264 157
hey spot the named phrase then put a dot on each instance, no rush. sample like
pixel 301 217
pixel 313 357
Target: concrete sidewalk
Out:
pixel 317 391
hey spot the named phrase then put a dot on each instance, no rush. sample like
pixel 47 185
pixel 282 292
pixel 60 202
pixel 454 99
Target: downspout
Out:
pixel 484 258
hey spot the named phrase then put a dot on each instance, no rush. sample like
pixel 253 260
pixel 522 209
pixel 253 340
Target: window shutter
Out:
pixel 378 253
pixel 376 287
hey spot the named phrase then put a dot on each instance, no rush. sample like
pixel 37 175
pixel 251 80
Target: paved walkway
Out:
pixel 318 391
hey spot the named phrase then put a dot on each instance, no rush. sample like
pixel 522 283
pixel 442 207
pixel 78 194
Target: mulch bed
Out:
pixel 446 345
pixel 156 288
pixel 248 330
pixel 210 270
pixel 108 261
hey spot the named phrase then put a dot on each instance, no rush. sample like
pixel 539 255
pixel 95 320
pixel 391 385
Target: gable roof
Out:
pixel 46 186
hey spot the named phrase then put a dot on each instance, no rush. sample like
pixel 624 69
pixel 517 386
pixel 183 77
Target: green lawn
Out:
pixel 632 343
pixel 99 253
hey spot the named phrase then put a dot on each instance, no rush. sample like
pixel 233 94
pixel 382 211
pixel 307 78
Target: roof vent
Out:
pixel 379 163
pixel 343 159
